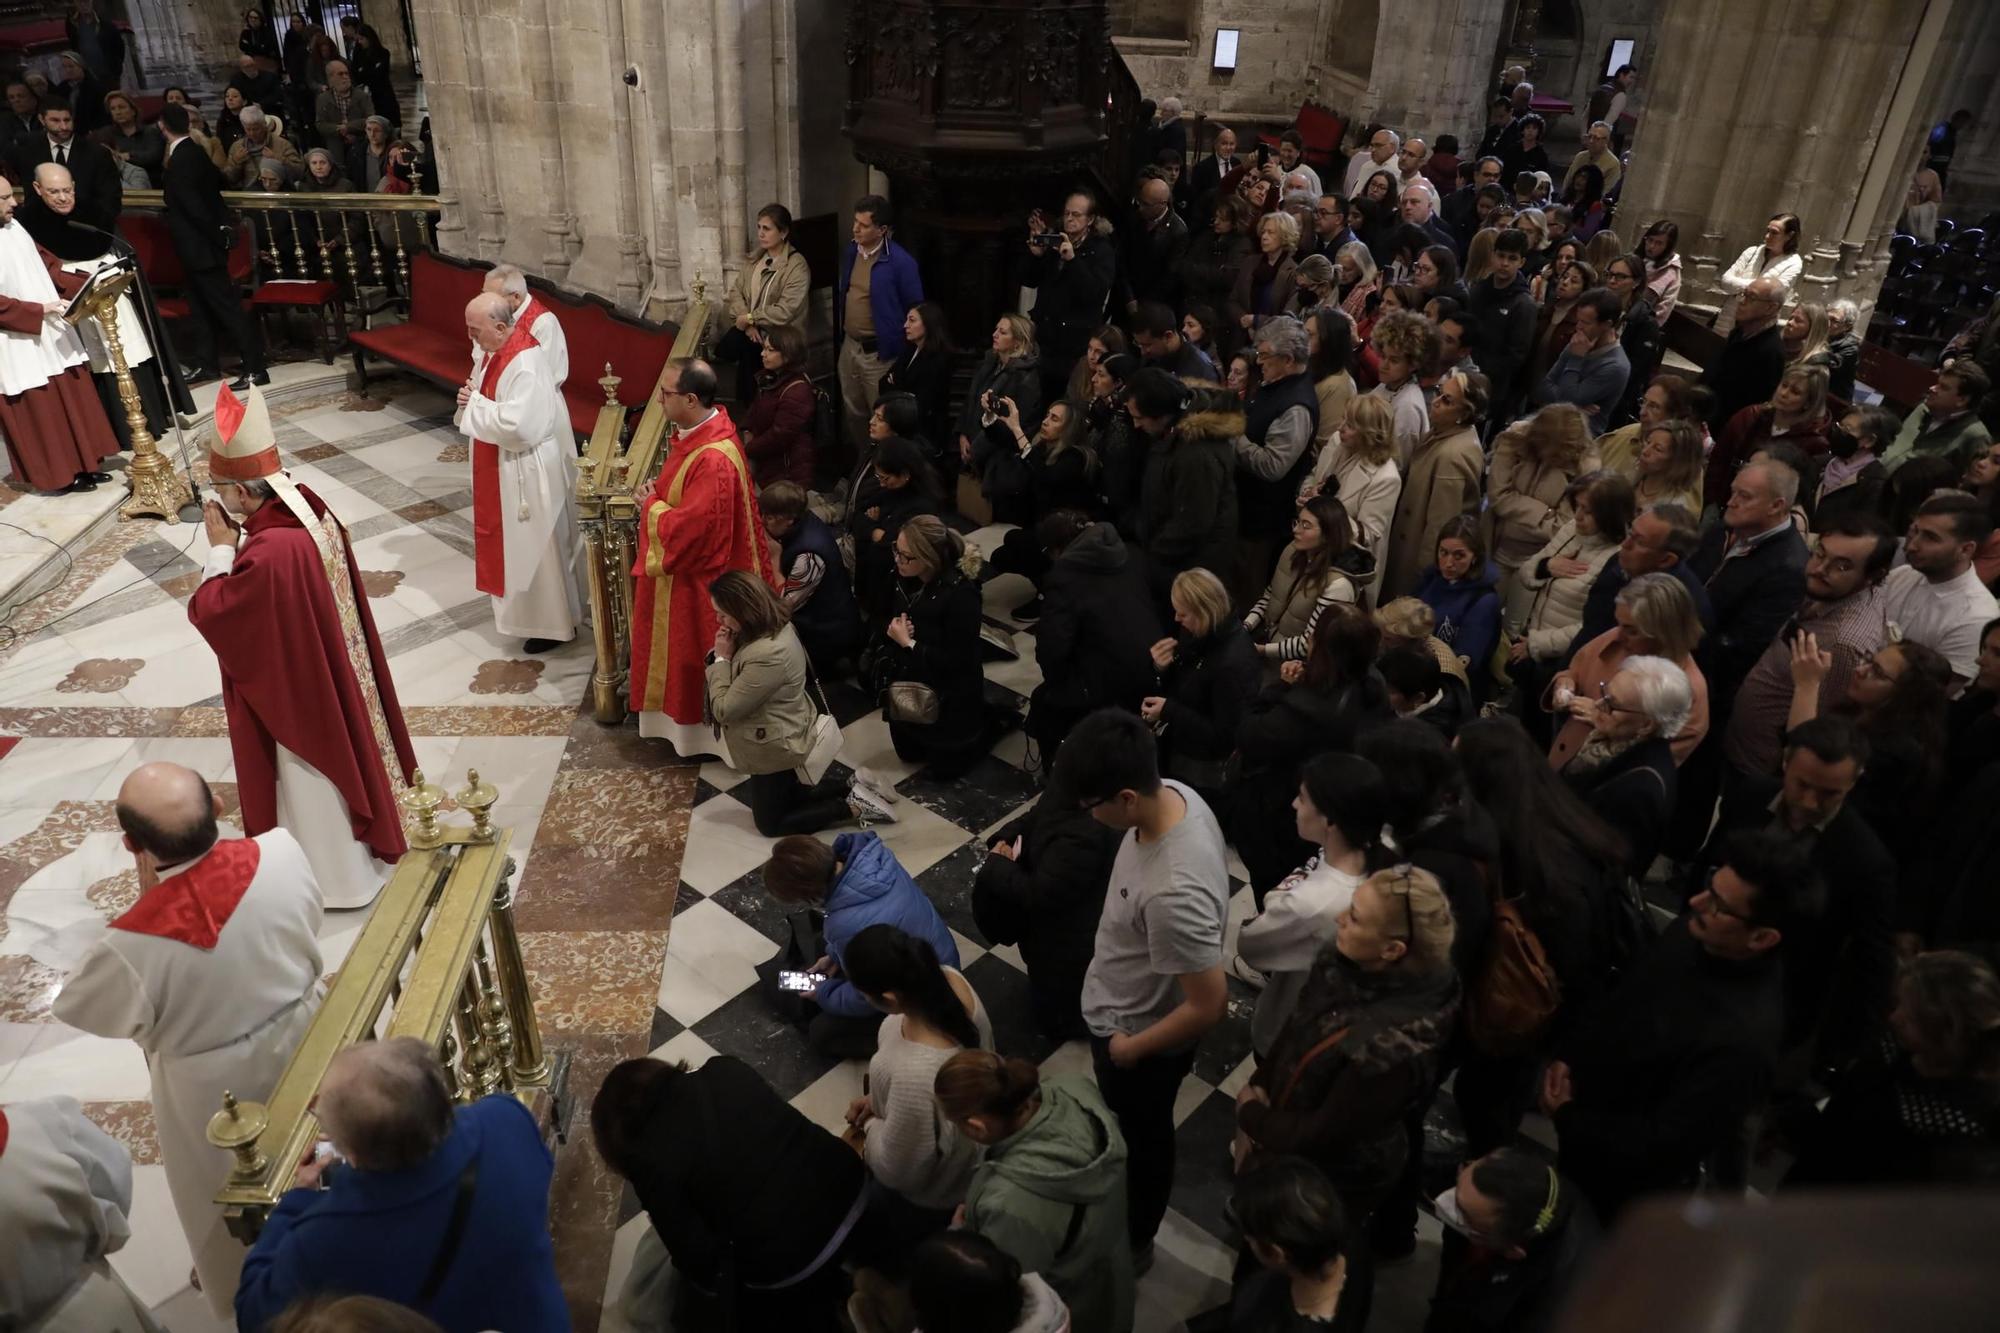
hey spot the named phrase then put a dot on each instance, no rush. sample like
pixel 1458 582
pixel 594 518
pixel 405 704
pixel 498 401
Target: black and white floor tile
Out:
pixel 725 925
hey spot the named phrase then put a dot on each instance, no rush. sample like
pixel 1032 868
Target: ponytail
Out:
pixel 882 958
pixel 982 1083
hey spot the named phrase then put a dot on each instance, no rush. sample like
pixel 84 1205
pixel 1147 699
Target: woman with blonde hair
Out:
pixel 1479 257
pixel 1361 1049
pixel 1536 224
pixel 1410 623
pixel 1359 465
pixel 1667 398
pixel 1528 488
pixel 1358 281
pixel 1208 675
pixel 1670 466
pixel 1268 278
pixel 1009 372
pixel 1804 336
pixel 1601 249
pixel 1655 618
pixel 1796 415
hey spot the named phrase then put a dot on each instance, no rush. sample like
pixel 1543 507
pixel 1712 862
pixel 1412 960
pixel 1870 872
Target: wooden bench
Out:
pixel 432 342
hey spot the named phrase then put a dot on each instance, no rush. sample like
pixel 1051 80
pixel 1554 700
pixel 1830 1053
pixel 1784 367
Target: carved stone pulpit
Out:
pixel 978 113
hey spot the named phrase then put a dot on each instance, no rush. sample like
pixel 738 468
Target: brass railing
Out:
pixel 302 235
pixel 440 954
pixel 610 472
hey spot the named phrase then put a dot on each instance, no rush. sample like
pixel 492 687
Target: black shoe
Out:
pixel 542 645
pixel 239 384
pixel 201 375
pixel 95 476
pixel 261 377
pixel 1028 610
pixel 80 484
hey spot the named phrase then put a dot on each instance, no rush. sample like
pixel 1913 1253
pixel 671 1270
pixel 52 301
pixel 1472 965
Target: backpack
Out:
pixel 1511 1001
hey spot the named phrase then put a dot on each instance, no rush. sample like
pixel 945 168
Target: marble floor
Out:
pixel 640 901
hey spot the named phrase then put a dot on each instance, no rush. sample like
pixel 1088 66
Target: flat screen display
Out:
pixel 1225 47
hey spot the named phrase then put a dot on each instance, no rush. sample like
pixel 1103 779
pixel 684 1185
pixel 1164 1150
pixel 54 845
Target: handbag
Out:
pixel 824 737
pixel 911 701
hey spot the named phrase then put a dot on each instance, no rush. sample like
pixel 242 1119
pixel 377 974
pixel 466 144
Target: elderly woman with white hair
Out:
pixel 1625 769
pixel 1655 617
pixel 1843 345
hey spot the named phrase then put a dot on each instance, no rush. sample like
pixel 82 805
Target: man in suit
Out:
pixel 99 193
pixel 21 119
pixel 203 233
pixel 1754 563
pixel 1206 178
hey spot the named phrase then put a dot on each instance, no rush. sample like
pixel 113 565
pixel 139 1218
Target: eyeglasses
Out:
pixel 1714 902
pixel 1606 704
pixel 904 557
pixel 1396 882
pixel 1839 564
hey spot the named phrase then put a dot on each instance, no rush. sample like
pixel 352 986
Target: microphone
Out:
pixel 118 243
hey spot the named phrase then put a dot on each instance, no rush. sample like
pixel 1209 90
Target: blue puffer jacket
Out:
pixel 874 890
pixel 1468 613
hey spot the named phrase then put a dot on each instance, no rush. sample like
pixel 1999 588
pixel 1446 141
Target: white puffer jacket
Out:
pixel 1555 604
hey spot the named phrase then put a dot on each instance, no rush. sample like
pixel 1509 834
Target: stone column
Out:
pixel 1433 59
pixel 192 42
pixel 1753 112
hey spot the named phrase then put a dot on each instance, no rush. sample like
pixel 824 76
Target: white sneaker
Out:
pixel 885 790
pixel 867 807
pixel 1243 972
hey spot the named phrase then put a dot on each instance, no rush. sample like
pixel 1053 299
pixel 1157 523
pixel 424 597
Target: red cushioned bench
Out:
pixel 432 342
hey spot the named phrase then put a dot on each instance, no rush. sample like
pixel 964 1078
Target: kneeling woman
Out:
pixel 928 658
pixel 757 693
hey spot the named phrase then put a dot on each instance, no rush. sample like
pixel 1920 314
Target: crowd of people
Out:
pixel 1604 743
pixel 1608 749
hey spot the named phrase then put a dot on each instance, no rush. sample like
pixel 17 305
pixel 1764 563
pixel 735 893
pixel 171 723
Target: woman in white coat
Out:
pixel 1551 586
pixel 1359 465
pixel 1776 256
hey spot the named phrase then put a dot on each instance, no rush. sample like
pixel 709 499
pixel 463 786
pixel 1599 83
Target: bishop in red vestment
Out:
pixel 318 737
pixel 55 426
pixel 698 520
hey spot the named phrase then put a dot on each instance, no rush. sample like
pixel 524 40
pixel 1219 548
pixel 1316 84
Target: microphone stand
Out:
pixel 164 360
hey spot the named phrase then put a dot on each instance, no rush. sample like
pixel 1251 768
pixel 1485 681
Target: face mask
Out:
pixel 1841 444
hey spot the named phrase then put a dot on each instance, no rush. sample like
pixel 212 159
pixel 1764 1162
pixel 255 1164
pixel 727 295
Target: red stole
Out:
pixel 531 310
pixel 194 905
pixel 488 523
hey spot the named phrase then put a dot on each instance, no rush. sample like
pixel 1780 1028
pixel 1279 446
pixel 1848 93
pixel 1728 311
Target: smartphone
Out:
pixel 1048 238
pixel 798 981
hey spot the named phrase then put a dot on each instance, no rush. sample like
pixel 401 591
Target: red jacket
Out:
pixel 778 431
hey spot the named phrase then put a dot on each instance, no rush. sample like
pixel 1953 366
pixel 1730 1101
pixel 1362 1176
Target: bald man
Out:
pixel 214 972
pixel 523 479
pixel 1752 361
pixel 511 283
pixel 1152 249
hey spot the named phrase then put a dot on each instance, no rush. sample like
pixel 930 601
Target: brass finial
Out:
pixel 700 290
pixel 422 799
pixel 478 797
pixel 236 1128
pixel 609 383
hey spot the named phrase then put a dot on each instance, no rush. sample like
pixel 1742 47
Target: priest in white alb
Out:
pixel 56 430
pixel 318 735
pixel 509 282
pixel 523 480
pixel 214 972
pixel 65 1203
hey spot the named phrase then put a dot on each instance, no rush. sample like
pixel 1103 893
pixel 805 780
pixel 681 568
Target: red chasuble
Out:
pixel 700 521
pixel 288 644
pixel 488 525
pixel 195 905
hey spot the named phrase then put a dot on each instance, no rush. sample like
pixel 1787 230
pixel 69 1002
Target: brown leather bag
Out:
pixel 1516 992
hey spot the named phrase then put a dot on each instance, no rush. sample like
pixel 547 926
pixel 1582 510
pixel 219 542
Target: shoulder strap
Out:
pixel 454 1232
pixel 1319 1048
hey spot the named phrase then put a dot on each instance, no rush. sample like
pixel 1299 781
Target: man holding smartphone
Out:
pixel 1071 270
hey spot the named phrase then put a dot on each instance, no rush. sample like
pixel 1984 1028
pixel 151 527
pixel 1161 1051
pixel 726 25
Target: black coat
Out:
pixel 1947 892
pixel 1634 793
pixel 1864 495
pixel 1645 342
pixel 1462 848
pixel 266 89
pixel 926 374
pixel 196 220
pixel 1149 262
pixel 772 1225
pixel 1098 624
pixel 1664 1068
pixel 945 616
pixel 1753 595
pixel 1070 297
pixel 1187 497
pixel 1284 726
pixel 1503 322
pixel 1048 901
pixel 100 194
pixel 1886 1125
pixel 1746 371
pixel 1207 687
pixel 1481 1291
pixel 1839 973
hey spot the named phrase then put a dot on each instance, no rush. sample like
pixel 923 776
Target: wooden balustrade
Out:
pixel 438 960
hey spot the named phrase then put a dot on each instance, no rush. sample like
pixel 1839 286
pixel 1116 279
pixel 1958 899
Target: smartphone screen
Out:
pixel 798 981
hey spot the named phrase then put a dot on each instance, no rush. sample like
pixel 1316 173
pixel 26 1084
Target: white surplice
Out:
pixel 210 1020
pixel 30 360
pixel 548 331
pixel 527 422
pixel 65 1203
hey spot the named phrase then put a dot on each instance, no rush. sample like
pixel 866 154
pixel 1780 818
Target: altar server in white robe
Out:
pixel 510 283
pixel 214 972
pixel 65 1203
pixel 523 480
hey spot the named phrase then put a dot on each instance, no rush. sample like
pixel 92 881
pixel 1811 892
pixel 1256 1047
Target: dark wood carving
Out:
pixel 978 112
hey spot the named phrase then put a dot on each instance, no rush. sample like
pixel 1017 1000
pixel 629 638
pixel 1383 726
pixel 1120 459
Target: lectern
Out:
pixel 156 488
